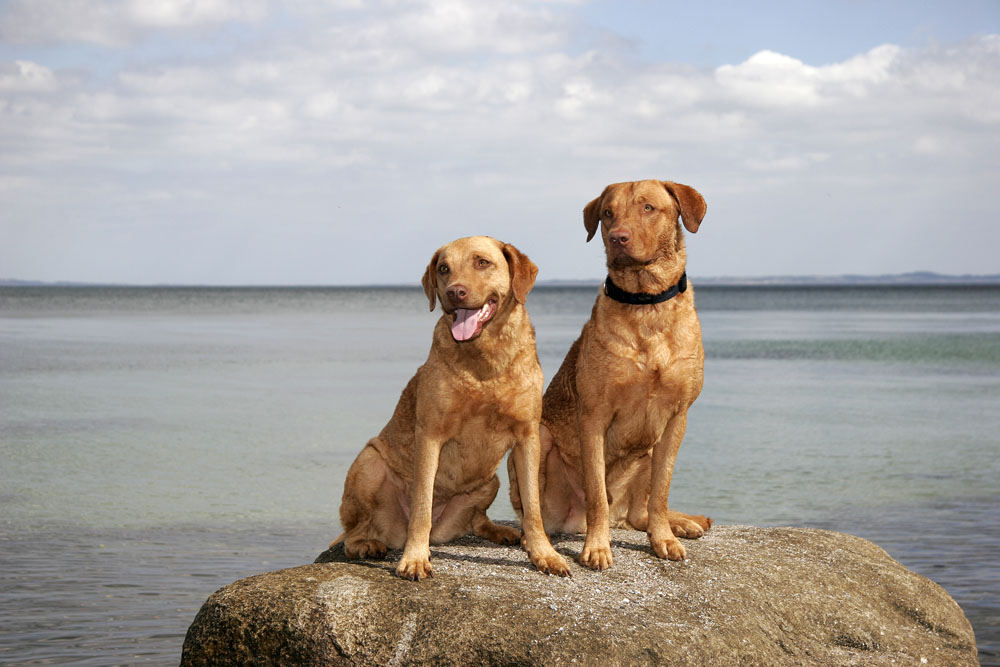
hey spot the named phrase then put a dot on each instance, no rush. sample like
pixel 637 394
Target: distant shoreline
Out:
pixel 925 278
pixel 916 279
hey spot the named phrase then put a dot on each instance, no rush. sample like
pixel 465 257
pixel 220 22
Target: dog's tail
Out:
pixel 338 540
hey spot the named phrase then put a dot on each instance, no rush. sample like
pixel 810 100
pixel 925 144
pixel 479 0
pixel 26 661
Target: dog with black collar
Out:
pixel 614 415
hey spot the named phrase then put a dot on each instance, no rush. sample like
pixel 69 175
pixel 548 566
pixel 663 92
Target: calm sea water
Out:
pixel 157 444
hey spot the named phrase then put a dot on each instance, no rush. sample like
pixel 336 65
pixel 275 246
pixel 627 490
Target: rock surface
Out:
pixel 746 596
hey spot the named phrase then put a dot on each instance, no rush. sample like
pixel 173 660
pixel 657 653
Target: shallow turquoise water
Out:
pixel 160 443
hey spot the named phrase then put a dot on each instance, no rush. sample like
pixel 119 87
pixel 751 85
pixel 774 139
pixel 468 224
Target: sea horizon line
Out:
pixel 914 278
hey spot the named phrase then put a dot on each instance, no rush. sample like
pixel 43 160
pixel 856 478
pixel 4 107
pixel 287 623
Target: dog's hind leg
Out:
pixel 514 489
pixel 466 513
pixel 690 526
pixel 486 528
pixel 635 492
pixel 564 506
pixel 629 489
pixel 370 512
pixel 560 492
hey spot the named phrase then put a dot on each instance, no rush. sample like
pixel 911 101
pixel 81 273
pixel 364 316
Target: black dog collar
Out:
pixel 644 298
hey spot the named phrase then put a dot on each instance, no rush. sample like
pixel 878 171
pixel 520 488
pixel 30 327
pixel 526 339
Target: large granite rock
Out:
pixel 744 596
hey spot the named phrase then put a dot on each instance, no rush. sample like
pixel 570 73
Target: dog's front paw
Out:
pixel 669 548
pixel 596 557
pixel 550 562
pixel 414 569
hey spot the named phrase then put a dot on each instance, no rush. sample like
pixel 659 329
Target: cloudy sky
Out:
pixel 341 142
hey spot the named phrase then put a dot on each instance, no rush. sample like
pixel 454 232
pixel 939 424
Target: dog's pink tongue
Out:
pixel 465 324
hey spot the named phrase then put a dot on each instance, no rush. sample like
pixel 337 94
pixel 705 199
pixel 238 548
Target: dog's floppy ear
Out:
pixel 522 272
pixel 592 217
pixel 429 281
pixel 692 204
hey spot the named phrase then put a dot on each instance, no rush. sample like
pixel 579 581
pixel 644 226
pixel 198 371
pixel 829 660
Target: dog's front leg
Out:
pixel 527 455
pixel 415 563
pixel 665 544
pixel 596 552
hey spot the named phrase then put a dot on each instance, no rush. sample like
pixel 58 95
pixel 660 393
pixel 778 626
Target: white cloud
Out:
pixel 775 80
pixel 115 23
pixel 187 13
pixel 579 95
pixel 869 68
pixel 172 81
pixel 322 105
pixel 769 78
pixel 15 184
pixel 450 27
pixel 788 162
pixel 936 145
pixel 54 21
pixel 26 76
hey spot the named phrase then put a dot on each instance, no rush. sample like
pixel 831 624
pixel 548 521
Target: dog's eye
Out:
pixel 483 263
pixel 443 269
pixel 607 213
pixel 647 208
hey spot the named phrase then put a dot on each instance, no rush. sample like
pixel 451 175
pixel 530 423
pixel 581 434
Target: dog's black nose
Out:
pixel 621 237
pixel 457 292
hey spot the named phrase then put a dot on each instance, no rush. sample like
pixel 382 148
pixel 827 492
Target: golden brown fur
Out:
pixel 614 414
pixel 431 473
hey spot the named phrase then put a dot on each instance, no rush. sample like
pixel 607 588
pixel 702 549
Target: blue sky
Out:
pixel 817 32
pixel 309 142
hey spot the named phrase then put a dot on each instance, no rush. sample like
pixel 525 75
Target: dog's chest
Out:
pixel 475 449
pixel 650 376
pixel 488 414
pixel 657 359
pixel 506 398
